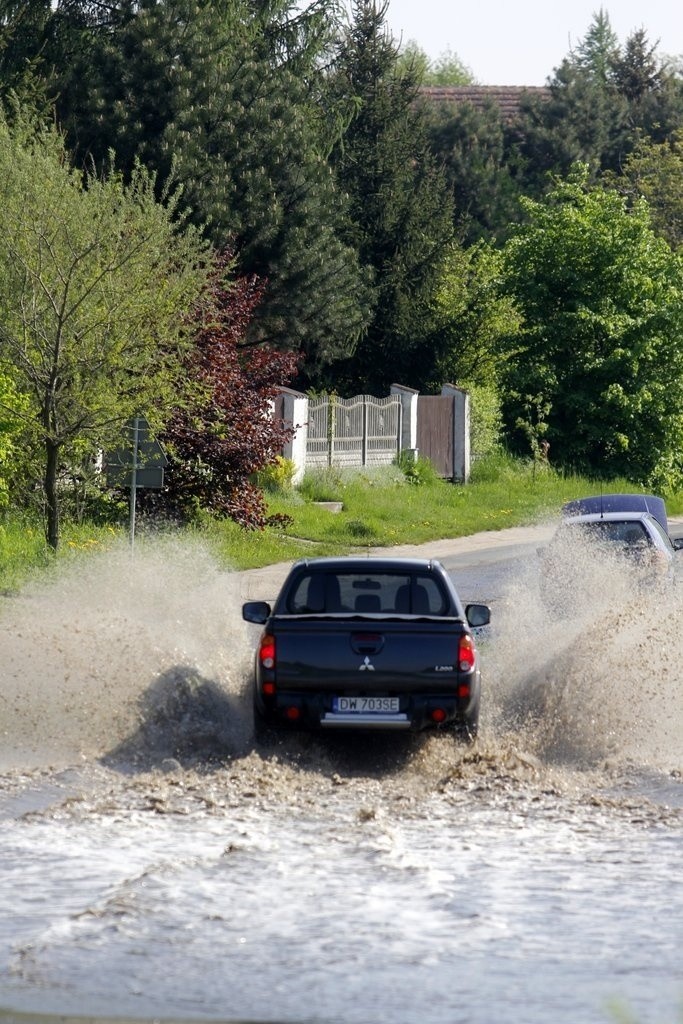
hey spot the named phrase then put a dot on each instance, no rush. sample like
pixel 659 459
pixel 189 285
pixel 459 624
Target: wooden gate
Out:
pixel 435 431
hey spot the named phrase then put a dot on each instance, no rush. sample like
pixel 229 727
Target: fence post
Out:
pixel 331 428
pixel 364 440
pixel 295 414
pixel 461 431
pixel 408 396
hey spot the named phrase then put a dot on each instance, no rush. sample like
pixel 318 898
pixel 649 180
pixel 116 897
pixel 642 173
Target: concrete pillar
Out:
pixel 461 432
pixel 295 413
pixel 408 398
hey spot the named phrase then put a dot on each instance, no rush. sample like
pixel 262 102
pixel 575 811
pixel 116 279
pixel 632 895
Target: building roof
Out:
pixel 506 97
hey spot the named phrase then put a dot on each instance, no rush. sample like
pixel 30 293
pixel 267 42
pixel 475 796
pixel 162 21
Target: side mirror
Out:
pixel 256 612
pixel 478 614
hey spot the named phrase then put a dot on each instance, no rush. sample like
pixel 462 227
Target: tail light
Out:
pixel 267 651
pixel 467 653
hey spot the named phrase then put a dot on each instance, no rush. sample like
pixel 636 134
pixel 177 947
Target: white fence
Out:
pixel 359 431
pixel 364 430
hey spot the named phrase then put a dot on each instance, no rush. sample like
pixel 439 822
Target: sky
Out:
pixel 521 42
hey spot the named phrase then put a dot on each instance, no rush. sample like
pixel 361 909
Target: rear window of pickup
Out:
pixel 375 593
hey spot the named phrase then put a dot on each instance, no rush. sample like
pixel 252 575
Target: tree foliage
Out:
pixel 471 143
pixel 583 120
pixel 446 69
pixel 225 432
pixel 13 409
pixel 297 137
pixel 654 171
pixel 225 98
pixel 471 316
pixel 602 99
pixel 95 277
pixel 25 39
pixel 598 51
pixel 597 369
pixel 400 209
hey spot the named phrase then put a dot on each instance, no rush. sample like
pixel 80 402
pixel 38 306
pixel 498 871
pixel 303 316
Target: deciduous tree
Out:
pixel 95 277
pixel 226 432
pixel 470 318
pixel 598 364
pixel 446 69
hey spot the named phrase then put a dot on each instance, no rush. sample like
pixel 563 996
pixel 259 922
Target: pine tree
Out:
pixel 602 99
pixel 221 98
pixel 472 146
pixel 653 91
pixel 401 209
pixel 598 51
pixel 27 46
pixel 585 119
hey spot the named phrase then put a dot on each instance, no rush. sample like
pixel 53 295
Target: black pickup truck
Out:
pixel 373 643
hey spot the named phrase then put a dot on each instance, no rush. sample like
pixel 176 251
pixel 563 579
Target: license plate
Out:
pixel 365 705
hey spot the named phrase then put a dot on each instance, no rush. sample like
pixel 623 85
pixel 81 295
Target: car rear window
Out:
pixel 626 533
pixel 374 593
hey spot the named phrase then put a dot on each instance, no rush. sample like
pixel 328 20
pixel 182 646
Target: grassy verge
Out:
pixel 383 509
pixel 25 555
pixel 380 508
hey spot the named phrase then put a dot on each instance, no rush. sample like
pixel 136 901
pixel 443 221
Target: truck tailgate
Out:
pixel 343 653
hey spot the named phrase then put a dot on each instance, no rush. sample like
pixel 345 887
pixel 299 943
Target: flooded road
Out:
pixel 156 865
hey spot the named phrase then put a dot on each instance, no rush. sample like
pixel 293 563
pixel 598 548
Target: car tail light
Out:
pixel 267 651
pixel 467 654
pixel 293 713
pixel 438 715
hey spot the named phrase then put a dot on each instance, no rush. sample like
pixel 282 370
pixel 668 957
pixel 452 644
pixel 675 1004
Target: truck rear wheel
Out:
pixel 466 729
pixel 264 730
pixel 469 730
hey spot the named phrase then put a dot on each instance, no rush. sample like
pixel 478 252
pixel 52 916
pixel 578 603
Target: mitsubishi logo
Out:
pixel 366 666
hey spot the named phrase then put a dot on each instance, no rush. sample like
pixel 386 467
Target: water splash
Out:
pixel 598 675
pixel 117 648
pixel 135 661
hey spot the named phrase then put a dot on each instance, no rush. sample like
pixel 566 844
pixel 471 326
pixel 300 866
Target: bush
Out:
pixel 417 471
pixel 277 477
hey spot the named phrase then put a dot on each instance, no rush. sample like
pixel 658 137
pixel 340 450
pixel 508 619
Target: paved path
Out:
pixel 265 583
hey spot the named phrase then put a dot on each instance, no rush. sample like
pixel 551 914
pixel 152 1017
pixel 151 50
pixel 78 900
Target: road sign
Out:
pixel 140 458
pixel 139 462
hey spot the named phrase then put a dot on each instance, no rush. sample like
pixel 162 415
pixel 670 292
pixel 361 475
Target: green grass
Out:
pixel 24 553
pixel 386 512
pixel 379 509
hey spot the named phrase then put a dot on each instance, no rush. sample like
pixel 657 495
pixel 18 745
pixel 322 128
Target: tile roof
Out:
pixel 506 97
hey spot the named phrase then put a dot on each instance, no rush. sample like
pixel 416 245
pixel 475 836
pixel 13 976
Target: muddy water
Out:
pixel 155 864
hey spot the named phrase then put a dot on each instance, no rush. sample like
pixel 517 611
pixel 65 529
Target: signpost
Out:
pixel 139 462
